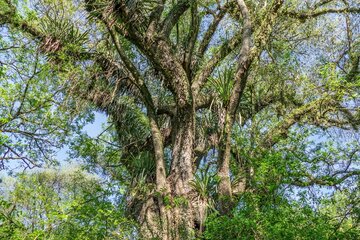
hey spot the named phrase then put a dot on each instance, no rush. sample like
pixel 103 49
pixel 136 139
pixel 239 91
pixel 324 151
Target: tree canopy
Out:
pixel 237 115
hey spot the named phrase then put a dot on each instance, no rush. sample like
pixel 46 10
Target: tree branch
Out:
pixel 174 15
pixel 305 15
pixel 317 113
pixel 323 181
pixel 205 72
pixel 191 39
pixel 204 44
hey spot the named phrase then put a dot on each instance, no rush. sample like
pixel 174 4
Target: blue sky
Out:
pixel 92 129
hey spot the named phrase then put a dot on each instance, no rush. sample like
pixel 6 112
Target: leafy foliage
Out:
pixel 226 119
pixel 59 205
pixel 285 221
pixel 34 122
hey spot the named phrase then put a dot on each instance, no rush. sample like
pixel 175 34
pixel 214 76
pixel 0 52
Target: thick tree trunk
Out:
pixel 224 188
pixel 181 173
pixel 171 212
pixel 175 220
pixel 182 155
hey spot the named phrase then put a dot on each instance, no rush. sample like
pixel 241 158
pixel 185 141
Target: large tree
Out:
pixel 206 86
